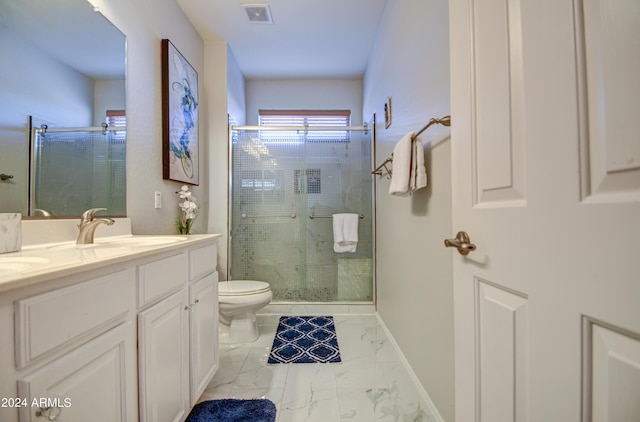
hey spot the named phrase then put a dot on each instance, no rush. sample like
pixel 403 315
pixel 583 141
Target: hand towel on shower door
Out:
pixel 345 232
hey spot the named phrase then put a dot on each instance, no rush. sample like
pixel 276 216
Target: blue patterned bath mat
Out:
pixel 233 410
pixel 305 339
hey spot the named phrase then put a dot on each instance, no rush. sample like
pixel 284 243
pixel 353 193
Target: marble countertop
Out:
pixel 42 262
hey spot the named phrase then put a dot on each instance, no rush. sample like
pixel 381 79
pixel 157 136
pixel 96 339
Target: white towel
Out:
pixel 345 232
pixel 418 172
pixel 400 176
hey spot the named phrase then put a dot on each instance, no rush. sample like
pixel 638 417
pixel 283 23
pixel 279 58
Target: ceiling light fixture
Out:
pixel 257 12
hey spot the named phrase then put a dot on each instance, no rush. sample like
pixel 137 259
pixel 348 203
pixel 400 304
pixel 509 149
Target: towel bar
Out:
pixel 311 216
pixel 245 216
pixel 378 169
pixel 445 121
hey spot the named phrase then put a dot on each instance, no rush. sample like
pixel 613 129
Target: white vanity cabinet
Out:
pixel 177 336
pixel 134 339
pixel 69 348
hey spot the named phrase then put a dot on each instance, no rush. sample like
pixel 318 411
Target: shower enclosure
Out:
pixel 286 182
pixel 74 169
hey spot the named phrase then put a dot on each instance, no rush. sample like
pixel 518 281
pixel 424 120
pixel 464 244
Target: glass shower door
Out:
pixel 339 181
pixel 268 219
pixel 278 181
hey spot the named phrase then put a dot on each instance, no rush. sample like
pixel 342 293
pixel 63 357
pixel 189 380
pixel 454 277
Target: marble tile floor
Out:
pixel 371 383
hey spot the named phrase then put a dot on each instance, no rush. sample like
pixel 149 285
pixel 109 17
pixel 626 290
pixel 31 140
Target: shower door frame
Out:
pixel 364 128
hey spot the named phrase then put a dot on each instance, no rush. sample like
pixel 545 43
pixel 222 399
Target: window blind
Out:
pixel 117 118
pixel 306 118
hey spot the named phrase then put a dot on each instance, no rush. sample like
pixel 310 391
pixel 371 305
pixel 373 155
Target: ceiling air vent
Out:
pixel 257 12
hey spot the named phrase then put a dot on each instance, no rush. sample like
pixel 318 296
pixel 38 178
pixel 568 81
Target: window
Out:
pixel 312 181
pixel 117 118
pixel 314 118
pixel 259 186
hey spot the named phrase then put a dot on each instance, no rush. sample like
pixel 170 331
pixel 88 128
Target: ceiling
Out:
pixel 323 39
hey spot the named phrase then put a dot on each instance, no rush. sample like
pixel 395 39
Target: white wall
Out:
pixel 410 63
pixel 145 24
pixel 236 92
pixel 216 67
pixel 39 85
pixel 316 94
pixel 109 94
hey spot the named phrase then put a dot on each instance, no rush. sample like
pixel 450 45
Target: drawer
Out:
pixel 50 320
pixel 202 261
pixel 158 279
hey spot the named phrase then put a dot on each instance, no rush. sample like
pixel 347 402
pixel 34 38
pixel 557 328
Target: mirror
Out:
pixel 64 67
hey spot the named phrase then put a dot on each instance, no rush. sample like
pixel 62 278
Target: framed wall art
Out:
pixel 387 113
pixel 179 117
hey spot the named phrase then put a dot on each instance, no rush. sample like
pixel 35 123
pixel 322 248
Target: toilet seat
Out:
pixel 242 287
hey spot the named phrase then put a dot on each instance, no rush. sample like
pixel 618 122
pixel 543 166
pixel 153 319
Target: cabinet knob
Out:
pixel 49 413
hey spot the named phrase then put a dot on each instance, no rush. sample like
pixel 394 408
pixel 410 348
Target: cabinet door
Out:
pixel 163 361
pixel 203 297
pixel 95 382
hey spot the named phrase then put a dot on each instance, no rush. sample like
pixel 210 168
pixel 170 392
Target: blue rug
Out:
pixel 233 410
pixel 305 339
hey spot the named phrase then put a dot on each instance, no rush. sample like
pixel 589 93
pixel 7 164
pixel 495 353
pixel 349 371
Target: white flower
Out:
pixel 189 205
pixel 184 193
pixel 189 209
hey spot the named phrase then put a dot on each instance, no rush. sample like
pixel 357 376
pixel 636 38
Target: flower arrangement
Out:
pixel 189 210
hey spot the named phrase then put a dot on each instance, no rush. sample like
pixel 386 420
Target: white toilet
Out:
pixel 239 301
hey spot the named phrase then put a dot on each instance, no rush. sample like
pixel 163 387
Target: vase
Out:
pixel 184 226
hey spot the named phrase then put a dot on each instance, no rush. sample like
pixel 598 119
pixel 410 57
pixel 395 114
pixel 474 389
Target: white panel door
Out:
pixel 546 182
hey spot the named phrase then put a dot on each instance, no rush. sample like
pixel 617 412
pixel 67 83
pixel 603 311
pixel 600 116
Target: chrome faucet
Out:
pixel 88 225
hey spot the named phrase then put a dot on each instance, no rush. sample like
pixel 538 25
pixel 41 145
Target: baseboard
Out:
pixel 423 393
pixel 318 308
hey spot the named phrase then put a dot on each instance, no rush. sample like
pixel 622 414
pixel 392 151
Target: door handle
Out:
pixel 460 242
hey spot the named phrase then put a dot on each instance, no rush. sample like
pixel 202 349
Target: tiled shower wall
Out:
pixel 276 178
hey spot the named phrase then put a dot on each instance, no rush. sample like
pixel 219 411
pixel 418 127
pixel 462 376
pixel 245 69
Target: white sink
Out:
pixel 108 247
pixel 92 251
pixel 120 243
pixel 139 241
